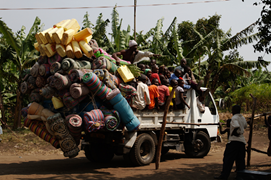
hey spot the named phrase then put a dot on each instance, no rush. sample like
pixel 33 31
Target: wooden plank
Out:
pixel 162 131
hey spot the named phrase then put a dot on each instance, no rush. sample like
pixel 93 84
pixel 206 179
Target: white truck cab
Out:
pixel 188 130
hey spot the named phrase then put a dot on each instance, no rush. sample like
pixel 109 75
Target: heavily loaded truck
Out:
pixel 188 130
pixel 79 95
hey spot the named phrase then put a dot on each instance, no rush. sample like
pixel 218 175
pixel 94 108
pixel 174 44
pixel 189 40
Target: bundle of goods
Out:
pixel 76 86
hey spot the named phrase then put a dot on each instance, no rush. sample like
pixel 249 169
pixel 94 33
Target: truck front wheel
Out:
pixel 143 150
pixel 96 152
pixel 200 147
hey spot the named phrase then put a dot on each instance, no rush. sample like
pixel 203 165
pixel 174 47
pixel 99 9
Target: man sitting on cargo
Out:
pixel 143 96
pixel 180 102
pixel 163 93
pixel 132 54
pixel 154 94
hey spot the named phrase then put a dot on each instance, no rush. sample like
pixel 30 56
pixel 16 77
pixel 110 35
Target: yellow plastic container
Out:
pixel 125 73
pixel 57 102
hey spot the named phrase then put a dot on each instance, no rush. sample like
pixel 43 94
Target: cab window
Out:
pixel 210 104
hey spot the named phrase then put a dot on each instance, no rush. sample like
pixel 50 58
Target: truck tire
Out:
pixel 143 151
pixel 99 152
pixel 201 147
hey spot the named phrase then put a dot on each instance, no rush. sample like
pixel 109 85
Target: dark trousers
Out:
pixel 235 151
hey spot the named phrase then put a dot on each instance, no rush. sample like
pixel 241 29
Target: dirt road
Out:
pixel 174 165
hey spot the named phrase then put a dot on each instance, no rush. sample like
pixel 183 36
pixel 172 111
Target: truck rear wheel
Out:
pixel 96 152
pixel 200 148
pixel 143 150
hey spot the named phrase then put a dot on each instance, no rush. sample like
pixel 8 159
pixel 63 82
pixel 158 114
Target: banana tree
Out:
pixel 22 55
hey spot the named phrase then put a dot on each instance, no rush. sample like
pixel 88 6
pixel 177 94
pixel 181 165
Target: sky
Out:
pixel 236 15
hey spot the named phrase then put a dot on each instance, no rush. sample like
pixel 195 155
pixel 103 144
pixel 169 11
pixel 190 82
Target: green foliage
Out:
pixel 86 22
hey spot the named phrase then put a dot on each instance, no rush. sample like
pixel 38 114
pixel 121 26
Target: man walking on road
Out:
pixel 235 149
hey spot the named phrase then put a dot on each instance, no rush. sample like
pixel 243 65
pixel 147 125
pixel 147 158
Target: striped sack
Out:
pixel 94 120
pixel 96 86
pixel 129 92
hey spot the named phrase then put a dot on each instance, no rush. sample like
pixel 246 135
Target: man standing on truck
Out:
pixel 235 149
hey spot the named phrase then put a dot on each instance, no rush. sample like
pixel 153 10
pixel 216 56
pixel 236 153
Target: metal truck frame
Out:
pixel 187 130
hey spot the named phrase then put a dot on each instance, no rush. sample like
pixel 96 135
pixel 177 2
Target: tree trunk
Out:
pixel 17 117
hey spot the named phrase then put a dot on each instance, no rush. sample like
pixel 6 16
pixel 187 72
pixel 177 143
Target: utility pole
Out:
pixel 135 20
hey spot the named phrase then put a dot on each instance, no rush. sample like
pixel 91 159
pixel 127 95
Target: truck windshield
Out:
pixel 210 104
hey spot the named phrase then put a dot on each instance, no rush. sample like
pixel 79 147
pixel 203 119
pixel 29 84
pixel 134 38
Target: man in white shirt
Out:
pixel 200 105
pixel 235 149
pixel 143 97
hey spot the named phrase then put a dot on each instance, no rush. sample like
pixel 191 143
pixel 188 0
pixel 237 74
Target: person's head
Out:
pixel 148 73
pixel 147 66
pixel 168 74
pixel 142 78
pixel 142 67
pixel 187 69
pixel 236 109
pixel 171 69
pixel 155 69
pixel 153 62
pixel 165 82
pixel 162 69
pixel 155 82
pixel 133 45
pixel 165 70
pixel 173 82
pixel 180 82
pixel 178 72
pixel 183 62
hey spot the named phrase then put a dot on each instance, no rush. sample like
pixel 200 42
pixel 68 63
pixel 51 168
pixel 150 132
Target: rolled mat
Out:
pixel 47 92
pixel 93 44
pixel 43 60
pixel 107 78
pixel 94 120
pixel 31 82
pixel 126 113
pixel 68 146
pixel 62 81
pixel 54 58
pixel 51 81
pixel 69 64
pixel 44 70
pixel 40 81
pixel 23 87
pixel 74 124
pixel 35 96
pixel 96 86
pixel 76 75
pixel 34 71
pixel 56 66
pixel 111 120
pixel 57 126
pixel 39 128
pixel 70 102
pixel 77 90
